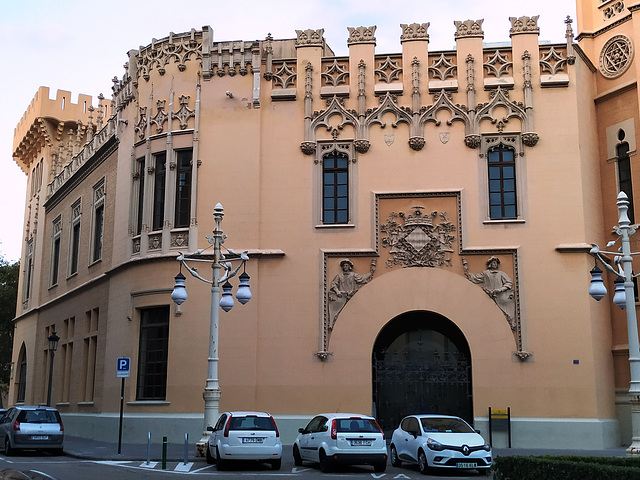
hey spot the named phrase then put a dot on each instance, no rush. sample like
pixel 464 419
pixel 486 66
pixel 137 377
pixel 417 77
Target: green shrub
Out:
pixel 566 467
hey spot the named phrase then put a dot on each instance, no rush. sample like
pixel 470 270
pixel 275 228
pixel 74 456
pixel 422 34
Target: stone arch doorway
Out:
pixel 421 363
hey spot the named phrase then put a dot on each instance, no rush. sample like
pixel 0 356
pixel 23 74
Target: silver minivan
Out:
pixel 31 428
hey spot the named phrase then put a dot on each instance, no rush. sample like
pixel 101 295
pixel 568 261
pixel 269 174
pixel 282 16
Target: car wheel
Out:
pixel 325 463
pixel 210 459
pixel 379 467
pixel 276 464
pixel 8 449
pixel 220 464
pixel 297 459
pixel 423 466
pixel 395 461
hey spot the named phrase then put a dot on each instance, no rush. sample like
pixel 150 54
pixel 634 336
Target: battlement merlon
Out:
pixel 59 110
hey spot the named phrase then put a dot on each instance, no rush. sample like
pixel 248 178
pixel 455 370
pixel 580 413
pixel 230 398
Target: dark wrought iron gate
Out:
pixel 421 364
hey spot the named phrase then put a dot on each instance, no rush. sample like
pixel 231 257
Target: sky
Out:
pixel 80 45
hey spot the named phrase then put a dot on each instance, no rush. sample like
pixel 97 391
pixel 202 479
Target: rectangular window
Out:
pixel 335 188
pixel 55 250
pixel 502 183
pixel 158 190
pixel 75 238
pixel 183 188
pixel 140 195
pixel 98 220
pixel 153 353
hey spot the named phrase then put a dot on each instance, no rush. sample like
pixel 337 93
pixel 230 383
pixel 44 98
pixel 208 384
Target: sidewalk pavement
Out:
pixel 99 450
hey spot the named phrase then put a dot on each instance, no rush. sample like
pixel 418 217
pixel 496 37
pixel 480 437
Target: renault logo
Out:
pixel 465 450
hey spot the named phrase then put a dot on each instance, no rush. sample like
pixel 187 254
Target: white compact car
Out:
pixel 341 438
pixel 439 441
pixel 245 436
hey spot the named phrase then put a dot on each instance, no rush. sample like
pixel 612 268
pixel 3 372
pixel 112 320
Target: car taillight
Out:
pixel 16 426
pixel 334 429
pixel 275 427
pixel 227 426
pixel 61 426
pixel 378 425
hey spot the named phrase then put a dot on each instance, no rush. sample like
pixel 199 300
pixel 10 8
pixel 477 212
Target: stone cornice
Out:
pixel 607 28
pixel 361 35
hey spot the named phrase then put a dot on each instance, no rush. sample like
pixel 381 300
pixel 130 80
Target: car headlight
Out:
pixel 434 445
pixel 487 447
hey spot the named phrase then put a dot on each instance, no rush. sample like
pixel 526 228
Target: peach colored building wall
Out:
pixel 417 127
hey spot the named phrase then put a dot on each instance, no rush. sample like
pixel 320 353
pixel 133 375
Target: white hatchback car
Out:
pixel 245 436
pixel 439 441
pixel 341 438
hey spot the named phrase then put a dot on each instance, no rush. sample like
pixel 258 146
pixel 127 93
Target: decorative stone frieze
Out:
pixel 520 25
pixel 310 38
pixel 178 49
pixel 308 148
pixel 361 35
pixel 616 56
pixel 417 143
pixel 414 31
pixel 469 29
pixel 362 146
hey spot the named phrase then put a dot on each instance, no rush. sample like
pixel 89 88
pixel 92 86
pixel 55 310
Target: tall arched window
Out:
pixel 22 375
pixel 502 183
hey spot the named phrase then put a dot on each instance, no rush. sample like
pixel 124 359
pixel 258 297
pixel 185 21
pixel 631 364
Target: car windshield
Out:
pixel 445 425
pixel 251 423
pixel 38 416
pixel 356 425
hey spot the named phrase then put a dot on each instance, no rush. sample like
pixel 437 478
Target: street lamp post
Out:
pixel 222 272
pixel 53 346
pixel 625 299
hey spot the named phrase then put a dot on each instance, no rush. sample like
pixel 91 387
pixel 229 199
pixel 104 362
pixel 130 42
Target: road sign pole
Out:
pixel 121 410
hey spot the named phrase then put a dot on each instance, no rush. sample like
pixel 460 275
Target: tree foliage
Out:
pixel 9 273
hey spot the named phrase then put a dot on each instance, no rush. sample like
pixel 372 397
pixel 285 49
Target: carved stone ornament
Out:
pixel 417 143
pixel 469 29
pixel 415 31
pixel 616 56
pixel 308 148
pixel 310 38
pixel 530 139
pixel 524 25
pixel 414 240
pixel 141 126
pixel 361 35
pixel 472 141
pixel 361 146
pixel 160 117
pixel 185 113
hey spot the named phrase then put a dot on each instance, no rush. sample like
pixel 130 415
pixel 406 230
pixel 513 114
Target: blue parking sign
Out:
pixel 123 367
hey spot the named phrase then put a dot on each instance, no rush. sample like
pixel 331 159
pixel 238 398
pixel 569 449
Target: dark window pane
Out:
pixel 502 184
pixel 140 195
pixel 97 233
pixel 335 178
pixel 158 190
pixel 75 247
pixel 153 353
pixel 183 189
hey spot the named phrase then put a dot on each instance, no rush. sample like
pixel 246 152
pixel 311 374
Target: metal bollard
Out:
pixel 186 448
pixel 149 448
pixel 164 453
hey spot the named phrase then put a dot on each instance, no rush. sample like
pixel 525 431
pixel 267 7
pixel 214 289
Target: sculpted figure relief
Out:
pixel 497 285
pixel 344 286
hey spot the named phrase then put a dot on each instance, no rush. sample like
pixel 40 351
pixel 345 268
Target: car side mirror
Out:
pixel 209 428
pixel 301 430
pixel 477 431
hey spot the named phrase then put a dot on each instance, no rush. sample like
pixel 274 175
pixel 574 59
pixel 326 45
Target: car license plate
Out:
pixel 361 443
pixel 39 437
pixel 252 439
pixel 467 465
